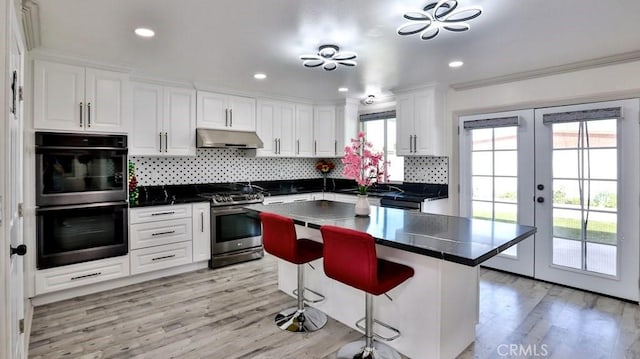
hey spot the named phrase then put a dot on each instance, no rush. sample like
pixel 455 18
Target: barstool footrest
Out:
pixel 376 335
pixel 312 301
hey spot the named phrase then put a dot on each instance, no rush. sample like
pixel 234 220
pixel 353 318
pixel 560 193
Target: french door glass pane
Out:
pixel 585 192
pixel 494 175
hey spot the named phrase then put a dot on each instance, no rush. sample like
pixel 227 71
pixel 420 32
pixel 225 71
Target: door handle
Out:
pixel 19 250
pixel 88 114
pixel 81 114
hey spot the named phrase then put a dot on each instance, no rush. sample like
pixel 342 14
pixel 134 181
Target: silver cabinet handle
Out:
pixel 297 147
pixel 410 143
pixel 163 257
pixel 162 233
pixel 226 117
pixel 231 118
pixel 86 276
pixel 335 147
pixel 315 147
pixel 202 222
pixel 279 147
pixel 166 141
pixel 415 143
pixel 162 213
pixel 88 114
pixel 160 141
pixel 275 146
pixel 81 114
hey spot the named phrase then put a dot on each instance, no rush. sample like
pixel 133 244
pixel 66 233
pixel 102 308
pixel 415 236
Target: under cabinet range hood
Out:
pixel 206 138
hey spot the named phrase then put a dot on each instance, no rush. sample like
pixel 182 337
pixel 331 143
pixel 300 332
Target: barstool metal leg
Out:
pixel 301 319
pixel 367 348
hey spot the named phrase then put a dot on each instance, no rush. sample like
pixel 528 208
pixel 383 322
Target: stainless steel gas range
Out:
pixel 235 235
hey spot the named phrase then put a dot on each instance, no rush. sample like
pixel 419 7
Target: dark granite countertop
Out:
pixel 455 239
pixel 177 194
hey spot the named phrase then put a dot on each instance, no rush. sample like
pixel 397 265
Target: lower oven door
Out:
pixel 80 233
pixel 233 229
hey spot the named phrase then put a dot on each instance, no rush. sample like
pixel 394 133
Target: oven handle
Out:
pixel 86 205
pixel 218 211
pixel 40 149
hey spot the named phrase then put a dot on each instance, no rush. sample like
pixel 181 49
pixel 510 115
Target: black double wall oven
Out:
pixel 81 197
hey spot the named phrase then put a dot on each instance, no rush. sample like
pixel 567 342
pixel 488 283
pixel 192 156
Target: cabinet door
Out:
pixel 286 140
pixel 58 96
pixel 404 121
pixel 146 129
pixel 104 96
pixel 242 115
pixel 324 131
pixel 180 122
pixel 304 131
pixel 201 232
pixel 212 111
pixel 265 128
pixel 429 123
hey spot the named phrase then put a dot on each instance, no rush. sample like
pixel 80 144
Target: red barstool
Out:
pixel 279 239
pixel 350 257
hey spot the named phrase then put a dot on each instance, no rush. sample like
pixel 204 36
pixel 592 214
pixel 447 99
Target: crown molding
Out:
pixel 549 71
pixel 42 53
pixel 31 23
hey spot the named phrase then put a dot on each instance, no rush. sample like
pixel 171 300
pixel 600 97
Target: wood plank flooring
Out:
pixel 228 313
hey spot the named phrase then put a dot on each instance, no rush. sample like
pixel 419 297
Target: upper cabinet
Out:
pixel 226 112
pixel 420 122
pixel 74 98
pixel 164 121
pixel 276 128
pixel 324 131
pixel 304 130
pixel 347 122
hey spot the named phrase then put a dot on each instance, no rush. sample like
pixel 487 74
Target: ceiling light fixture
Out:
pixel 436 16
pixel 343 89
pixel 368 100
pixel 329 57
pixel 144 32
pixel 259 76
pixel 456 63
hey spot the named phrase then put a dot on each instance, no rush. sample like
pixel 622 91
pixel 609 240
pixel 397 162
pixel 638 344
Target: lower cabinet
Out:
pixel 288 198
pixel 160 257
pixel 201 225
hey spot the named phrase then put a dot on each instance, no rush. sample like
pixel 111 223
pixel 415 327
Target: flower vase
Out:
pixel 362 206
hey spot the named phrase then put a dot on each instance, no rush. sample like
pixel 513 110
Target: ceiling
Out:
pixel 222 43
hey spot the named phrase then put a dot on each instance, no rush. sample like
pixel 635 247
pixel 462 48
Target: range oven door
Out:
pixel 80 168
pixel 74 234
pixel 234 229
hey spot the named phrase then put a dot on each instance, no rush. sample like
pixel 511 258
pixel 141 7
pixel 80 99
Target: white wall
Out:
pixel 598 84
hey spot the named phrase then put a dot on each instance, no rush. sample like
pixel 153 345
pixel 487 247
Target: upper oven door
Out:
pixel 232 229
pixel 70 175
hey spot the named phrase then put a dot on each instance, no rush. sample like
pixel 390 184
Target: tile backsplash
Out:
pixel 214 165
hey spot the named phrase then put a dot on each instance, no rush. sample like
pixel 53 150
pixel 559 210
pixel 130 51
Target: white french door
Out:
pixel 588 179
pixel 496 171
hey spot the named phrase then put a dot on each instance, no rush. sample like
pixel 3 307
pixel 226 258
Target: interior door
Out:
pixel 496 171
pixel 15 162
pixel 587 191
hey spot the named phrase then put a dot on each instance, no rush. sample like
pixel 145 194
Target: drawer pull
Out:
pixel 86 276
pixel 162 213
pixel 163 257
pixel 161 233
pixel 300 200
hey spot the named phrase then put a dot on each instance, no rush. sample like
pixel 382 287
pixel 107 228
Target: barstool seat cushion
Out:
pixel 279 239
pixel 350 257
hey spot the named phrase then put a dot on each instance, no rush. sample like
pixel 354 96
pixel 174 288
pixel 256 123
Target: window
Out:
pixel 381 132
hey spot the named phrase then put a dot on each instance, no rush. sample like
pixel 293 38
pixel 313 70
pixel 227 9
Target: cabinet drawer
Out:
pixel 50 280
pixel 159 213
pixel 160 257
pixel 157 233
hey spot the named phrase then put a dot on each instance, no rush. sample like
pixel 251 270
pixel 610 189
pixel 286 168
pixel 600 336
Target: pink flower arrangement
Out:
pixel 362 164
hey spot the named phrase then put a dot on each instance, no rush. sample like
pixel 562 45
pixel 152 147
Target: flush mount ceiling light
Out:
pixel 144 32
pixel 438 15
pixel 329 57
pixel 368 100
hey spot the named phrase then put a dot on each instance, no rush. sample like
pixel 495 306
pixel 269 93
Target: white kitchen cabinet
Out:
pixel 161 257
pixel 289 198
pixel 304 131
pixel 324 131
pixel 75 275
pixel 329 196
pixel 75 98
pixel 164 121
pixel 276 128
pixel 226 112
pixel 150 234
pixel 201 232
pixel 352 198
pixel 420 123
pixel 347 123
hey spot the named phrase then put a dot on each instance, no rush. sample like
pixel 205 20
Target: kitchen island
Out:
pixel 437 310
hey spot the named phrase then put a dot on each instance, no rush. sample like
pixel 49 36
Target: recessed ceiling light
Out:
pixel 343 89
pixel 144 32
pixel 456 63
pixel 259 76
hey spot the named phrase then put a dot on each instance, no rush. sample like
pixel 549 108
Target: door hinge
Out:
pixel 20 96
pixel 21 210
pixel 21 326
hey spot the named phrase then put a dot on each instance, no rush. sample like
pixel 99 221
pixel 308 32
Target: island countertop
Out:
pixel 456 239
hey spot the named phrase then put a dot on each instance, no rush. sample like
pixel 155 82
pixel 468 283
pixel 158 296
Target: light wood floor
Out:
pixel 227 313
